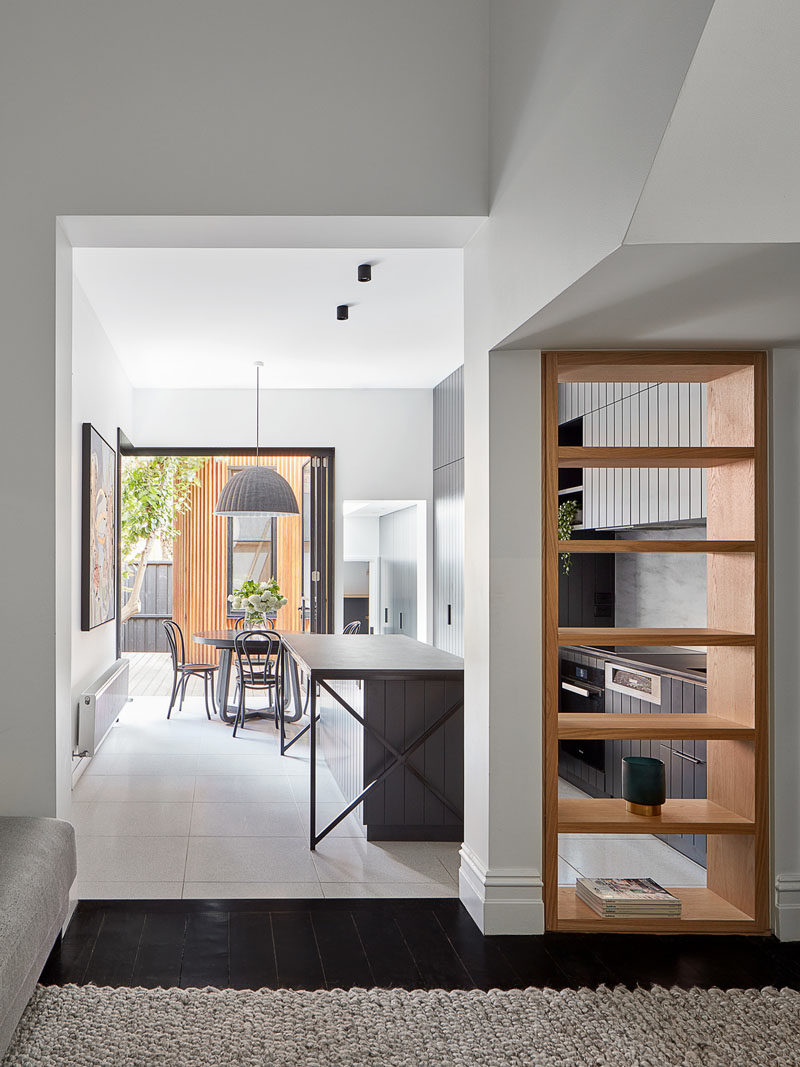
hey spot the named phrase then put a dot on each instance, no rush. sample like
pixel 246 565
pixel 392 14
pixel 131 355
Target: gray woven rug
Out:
pixel 86 1026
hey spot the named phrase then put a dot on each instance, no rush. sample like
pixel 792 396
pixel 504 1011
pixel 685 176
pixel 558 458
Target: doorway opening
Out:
pixel 180 561
pixel 385 566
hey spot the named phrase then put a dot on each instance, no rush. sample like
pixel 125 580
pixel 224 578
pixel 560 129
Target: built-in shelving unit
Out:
pixel 734 815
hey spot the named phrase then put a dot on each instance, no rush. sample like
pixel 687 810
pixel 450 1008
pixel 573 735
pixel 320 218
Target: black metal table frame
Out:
pixel 401 756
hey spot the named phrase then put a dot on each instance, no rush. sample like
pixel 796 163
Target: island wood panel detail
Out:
pixel 200 560
pixel 402 807
pixel 735 813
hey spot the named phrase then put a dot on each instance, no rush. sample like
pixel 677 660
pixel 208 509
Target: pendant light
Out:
pixel 257 490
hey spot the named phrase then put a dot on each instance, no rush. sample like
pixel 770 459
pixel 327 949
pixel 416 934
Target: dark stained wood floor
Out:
pixel 411 944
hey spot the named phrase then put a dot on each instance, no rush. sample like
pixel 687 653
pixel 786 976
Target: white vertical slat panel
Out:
pixel 684 475
pixel 673 509
pixel 624 406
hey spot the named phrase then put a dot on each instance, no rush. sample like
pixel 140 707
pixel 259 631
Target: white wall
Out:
pixel 501 859
pixel 785 566
pixel 580 96
pixel 355 578
pixel 728 169
pixel 361 537
pixel 102 395
pixel 163 108
pixel 383 438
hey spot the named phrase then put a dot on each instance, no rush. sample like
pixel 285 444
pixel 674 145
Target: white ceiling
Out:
pixel 710 296
pixel 199 317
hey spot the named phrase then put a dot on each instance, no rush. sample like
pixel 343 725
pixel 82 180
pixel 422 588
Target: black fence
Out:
pixel 144 632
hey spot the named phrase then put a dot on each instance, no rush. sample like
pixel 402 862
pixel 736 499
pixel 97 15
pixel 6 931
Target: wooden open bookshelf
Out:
pixel 734 815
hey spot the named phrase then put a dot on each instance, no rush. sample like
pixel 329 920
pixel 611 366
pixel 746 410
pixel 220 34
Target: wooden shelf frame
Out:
pixel 592 547
pixel 610 816
pixel 662 456
pixel 650 366
pixel 670 636
pixel 589 726
pixel 735 817
pixel 703 912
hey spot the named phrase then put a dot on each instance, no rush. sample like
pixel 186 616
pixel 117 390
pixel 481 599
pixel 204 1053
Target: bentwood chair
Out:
pixel 353 627
pixel 257 658
pixel 183 671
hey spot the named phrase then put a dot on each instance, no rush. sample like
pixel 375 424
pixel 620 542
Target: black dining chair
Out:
pixel 353 627
pixel 257 668
pixel 183 671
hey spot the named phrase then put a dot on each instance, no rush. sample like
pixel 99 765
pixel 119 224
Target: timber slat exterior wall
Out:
pixel 200 560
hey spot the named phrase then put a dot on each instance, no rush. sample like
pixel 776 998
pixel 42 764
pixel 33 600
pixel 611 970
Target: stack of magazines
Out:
pixel 627 898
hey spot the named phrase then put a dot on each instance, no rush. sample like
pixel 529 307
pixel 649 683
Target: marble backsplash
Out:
pixel 659 589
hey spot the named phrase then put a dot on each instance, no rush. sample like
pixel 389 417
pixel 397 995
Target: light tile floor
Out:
pixel 180 808
pixel 622 856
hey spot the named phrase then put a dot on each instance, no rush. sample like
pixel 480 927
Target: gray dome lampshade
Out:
pixel 257 491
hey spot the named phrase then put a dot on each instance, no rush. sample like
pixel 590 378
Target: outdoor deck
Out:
pixel 151 675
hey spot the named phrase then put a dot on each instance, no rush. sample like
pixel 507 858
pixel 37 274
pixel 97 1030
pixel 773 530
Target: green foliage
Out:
pixel 155 491
pixel 567 513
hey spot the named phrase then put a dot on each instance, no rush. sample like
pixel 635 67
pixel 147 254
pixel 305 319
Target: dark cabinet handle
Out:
pixel 385 614
pixel 684 755
pixel 449 614
pixel 401 620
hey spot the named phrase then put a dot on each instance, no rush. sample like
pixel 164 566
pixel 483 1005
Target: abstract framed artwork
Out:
pixel 99 555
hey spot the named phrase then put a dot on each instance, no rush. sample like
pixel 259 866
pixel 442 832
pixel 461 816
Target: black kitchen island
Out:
pixel 389 721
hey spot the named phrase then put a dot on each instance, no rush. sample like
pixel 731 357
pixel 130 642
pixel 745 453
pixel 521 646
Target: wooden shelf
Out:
pixel 707 547
pixel 703 912
pixel 623 456
pixel 610 816
pixel 651 366
pixel 603 637
pixel 586 725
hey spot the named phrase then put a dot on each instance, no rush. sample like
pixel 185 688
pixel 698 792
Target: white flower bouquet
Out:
pixel 258 600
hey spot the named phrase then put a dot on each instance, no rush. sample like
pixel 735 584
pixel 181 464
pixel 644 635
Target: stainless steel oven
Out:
pixel 582 690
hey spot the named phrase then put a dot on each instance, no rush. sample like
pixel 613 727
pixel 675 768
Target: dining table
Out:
pixel 224 641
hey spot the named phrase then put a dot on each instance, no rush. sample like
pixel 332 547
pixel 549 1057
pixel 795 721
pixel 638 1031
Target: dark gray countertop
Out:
pixel 371 656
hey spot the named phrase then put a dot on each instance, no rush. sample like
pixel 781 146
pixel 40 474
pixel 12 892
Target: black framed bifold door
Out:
pixel 307 568
pixel 320 581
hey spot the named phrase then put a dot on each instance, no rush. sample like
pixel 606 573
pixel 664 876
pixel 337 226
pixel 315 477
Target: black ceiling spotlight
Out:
pixel 342 312
pixel 365 272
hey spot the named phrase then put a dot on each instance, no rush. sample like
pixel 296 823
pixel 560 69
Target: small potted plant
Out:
pixel 567 515
pixel 258 600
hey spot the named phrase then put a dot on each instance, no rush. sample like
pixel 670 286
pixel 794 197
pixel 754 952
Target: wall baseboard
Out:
pixel 502 900
pixel 787 906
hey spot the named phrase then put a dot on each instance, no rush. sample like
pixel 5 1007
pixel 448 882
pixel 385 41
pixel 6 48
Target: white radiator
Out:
pixel 99 707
